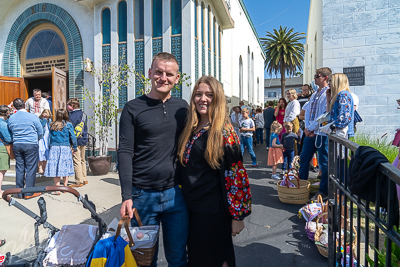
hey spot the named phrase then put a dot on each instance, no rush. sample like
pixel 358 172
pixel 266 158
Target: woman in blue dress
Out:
pixel 62 138
pixel 44 142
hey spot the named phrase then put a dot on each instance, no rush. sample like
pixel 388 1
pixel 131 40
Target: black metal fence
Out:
pixel 356 226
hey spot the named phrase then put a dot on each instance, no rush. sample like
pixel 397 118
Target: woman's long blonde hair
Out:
pixel 218 119
pixel 61 119
pixel 338 83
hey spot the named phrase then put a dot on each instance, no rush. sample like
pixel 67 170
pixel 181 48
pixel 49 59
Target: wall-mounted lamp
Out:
pixel 88 64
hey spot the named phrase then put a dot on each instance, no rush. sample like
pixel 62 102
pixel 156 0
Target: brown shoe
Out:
pixel 75 185
pixel 85 182
pixel 34 195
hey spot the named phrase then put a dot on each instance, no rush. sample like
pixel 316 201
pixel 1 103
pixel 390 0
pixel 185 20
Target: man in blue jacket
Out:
pixel 26 131
pixel 77 116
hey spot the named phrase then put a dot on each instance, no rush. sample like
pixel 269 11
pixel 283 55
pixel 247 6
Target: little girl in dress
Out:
pixel 275 155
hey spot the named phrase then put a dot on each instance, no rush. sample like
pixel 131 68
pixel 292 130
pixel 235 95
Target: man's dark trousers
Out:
pixel 267 137
pixel 26 157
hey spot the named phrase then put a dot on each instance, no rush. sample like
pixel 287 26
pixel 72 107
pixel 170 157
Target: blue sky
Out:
pixel 268 15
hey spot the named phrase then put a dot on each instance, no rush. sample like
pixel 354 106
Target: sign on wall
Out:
pixel 356 75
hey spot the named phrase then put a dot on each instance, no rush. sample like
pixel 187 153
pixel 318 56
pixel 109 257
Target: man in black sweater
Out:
pixel 150 127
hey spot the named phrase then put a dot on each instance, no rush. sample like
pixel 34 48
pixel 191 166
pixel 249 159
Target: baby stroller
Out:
pixel 35 256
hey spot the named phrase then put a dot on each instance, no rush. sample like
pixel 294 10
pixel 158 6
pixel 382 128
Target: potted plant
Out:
pixel 111 78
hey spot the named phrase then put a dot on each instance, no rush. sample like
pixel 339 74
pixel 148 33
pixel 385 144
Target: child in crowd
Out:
pixel 62 137
pixel 288 142
pixel 44 142
pixel 275 151
pixel 247 127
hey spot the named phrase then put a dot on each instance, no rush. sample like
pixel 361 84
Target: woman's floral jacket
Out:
pixel 235 181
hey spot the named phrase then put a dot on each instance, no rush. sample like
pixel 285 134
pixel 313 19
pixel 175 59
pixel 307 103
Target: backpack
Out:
pixel 80 126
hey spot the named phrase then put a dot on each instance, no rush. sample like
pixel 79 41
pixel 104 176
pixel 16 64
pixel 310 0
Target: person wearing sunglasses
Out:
pixel 314 140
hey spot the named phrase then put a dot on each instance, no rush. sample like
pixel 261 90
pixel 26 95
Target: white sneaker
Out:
pixel 275 176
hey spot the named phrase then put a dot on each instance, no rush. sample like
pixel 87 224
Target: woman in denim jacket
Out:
pixel 62 137
pixel 5 137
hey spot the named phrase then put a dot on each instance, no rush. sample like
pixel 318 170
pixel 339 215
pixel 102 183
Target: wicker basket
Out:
pixel 310 233
pixel 143 256
pixel 314 188
pixel 323 250
pixel 294 195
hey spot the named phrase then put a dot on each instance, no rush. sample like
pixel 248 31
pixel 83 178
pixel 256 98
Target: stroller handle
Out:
pixel 40 189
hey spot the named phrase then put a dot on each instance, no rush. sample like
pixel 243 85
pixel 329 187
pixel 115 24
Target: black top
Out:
pixel 269 117
pixel 302 100
pixel 148 140
pixel 201 184
pixel 288 140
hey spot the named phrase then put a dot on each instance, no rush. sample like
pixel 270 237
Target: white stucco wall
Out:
pixel 235 43
pixel 367 33
pixel 313 46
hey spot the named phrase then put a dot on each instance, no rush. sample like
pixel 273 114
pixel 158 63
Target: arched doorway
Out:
pixel 63 69
pixel 44 54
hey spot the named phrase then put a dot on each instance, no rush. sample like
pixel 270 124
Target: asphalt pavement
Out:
pixel 274 234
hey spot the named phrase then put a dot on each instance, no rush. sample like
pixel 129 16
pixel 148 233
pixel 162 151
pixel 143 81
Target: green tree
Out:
pixel 284 53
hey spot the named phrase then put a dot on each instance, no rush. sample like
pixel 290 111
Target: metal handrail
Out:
pixel 93 141
pixel 340 195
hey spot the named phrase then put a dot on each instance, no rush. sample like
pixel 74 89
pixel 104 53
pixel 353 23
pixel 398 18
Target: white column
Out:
pixel 130 42
pixel 148 45
pixel 187 46
pixel 166 25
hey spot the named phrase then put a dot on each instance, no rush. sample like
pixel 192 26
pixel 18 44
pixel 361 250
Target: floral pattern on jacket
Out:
pixel 342 112
pixel 236 181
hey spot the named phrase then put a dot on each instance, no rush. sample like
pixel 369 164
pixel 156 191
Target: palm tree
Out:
pixel 284 53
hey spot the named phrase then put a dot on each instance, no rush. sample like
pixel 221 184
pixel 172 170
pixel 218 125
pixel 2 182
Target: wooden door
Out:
pixel 59 89
pixel 12 88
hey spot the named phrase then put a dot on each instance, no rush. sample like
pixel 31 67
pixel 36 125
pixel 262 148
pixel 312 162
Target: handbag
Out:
pixel 143 254
pixel 10 150
pixel 396 140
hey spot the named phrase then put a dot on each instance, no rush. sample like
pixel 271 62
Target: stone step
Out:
pixel 11 175
pixel 12 164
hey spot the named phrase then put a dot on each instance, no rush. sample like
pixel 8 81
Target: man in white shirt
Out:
pixel 37 104
pixel 316 142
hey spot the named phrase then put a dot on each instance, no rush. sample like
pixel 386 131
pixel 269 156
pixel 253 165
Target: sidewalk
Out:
pixel 274 234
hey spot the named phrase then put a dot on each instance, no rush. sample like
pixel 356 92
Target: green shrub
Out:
pixel 382 144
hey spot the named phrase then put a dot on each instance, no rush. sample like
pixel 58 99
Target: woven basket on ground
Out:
pixel 323 250
pixel 294 195
pixel 314 188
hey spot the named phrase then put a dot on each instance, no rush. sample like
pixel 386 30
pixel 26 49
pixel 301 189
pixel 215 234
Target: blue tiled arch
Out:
pixel 30 18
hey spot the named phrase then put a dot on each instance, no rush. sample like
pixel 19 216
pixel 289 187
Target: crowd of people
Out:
pixel 189 177
pixel 42 146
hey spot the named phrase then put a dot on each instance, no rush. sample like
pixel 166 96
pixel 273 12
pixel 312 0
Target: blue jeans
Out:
pixel 267 136
pixel 288 156
pixel 26 157
pixel 307 153
pixel 168 207
pixel 248 142
pixel 259 135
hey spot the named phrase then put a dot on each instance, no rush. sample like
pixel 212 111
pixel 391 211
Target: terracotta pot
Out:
pixel 99 165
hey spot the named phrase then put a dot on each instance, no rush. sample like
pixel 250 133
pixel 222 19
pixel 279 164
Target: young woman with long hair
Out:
pixel 214 181
pixel 44 148
pixel 62 138
pixel 340 104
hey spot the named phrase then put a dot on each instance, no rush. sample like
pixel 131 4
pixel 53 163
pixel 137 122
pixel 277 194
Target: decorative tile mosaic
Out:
pixel 176 50
pixel 106 60
pixel 203 60
pixel 30 18
pixel 219 70
pixel 122 61
pixel 215 66
pixel 139 67
pixel 209 62
pixel 157 46
pixel 196 59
